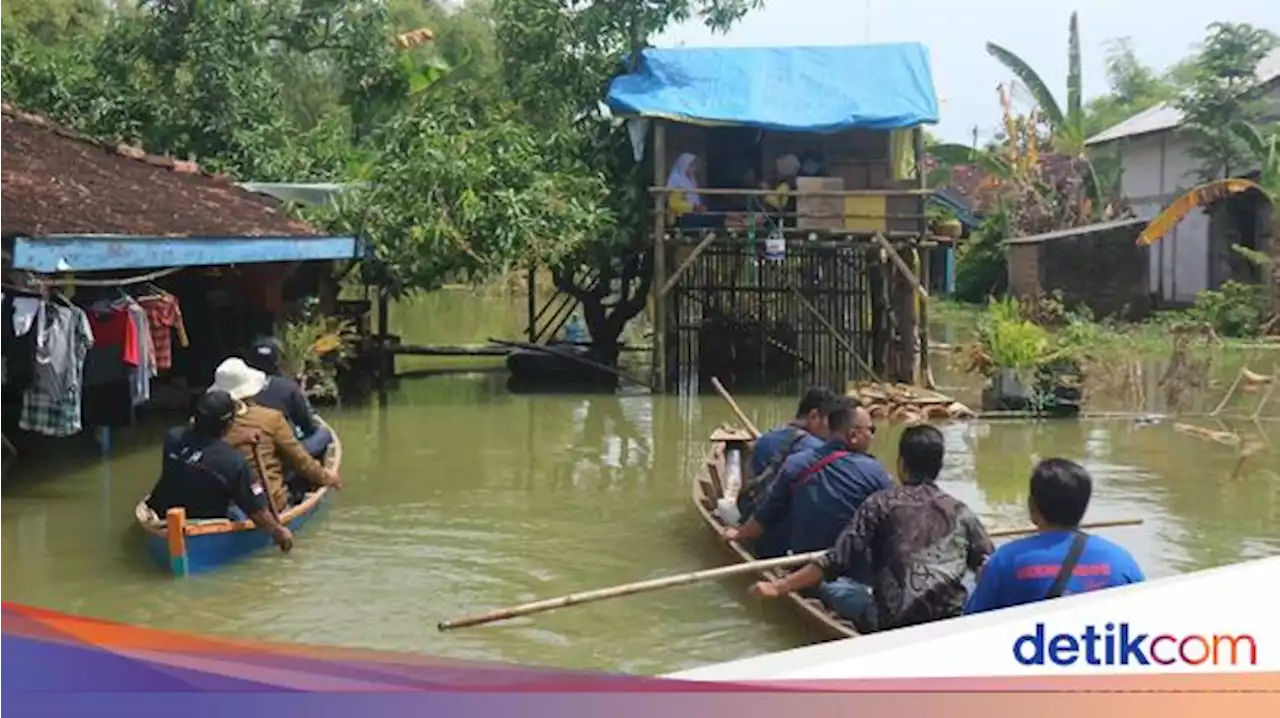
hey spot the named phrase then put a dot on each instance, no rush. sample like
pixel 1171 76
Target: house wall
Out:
pixel 1105 271
pixel 1156 169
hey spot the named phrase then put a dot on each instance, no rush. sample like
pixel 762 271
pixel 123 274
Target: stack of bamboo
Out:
pixel 906 403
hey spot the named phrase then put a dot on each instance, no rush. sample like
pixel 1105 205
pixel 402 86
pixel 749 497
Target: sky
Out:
pixel 956 33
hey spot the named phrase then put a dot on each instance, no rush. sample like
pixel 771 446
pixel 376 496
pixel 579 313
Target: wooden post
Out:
pixel 386 360
pixel 926 376
pixel 659 254
pixel 532 286
pixel 176 527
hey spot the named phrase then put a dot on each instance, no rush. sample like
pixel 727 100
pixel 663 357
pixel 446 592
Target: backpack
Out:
pixel 750 493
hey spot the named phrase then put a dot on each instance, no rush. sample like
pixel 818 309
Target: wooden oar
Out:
pixel 736 409
pixel 628 589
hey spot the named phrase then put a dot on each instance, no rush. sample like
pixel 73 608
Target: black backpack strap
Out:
pixel 1068 565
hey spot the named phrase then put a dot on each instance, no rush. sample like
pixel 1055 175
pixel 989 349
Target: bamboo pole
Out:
pixel 835 333
pixel 724 393
pixel 630 589
pixel 688 262
pixel 902 265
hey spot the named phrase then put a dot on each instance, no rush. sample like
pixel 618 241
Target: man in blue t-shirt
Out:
pixel 1059 558
pixel 819 490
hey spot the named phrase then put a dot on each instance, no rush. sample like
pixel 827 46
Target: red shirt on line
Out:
pixel 115 329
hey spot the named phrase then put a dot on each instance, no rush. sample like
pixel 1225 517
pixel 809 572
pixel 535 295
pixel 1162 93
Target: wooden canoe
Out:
pixel 708 488
pixel 201 545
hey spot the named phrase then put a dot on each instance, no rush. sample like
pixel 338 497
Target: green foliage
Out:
pixel 462 189
pixel 1233 310
pixel 1067 126
pixel 1224 92
pixel 1134 87
pixel 314 348
pixel 1011 341
pixel 982 270
pixel 583 44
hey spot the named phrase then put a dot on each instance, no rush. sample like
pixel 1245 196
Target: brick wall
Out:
pixel 1099 267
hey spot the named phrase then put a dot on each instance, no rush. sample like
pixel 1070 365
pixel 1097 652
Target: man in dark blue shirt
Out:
pixel 807 431
pixel 1058 558
pixel 207 476
pixel 285 396
pixel 819 490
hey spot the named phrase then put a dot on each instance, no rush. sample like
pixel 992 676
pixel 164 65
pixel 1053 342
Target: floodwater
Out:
pixel 462 497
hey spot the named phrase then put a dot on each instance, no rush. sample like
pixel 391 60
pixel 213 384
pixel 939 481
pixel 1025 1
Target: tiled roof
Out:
pixel 56 181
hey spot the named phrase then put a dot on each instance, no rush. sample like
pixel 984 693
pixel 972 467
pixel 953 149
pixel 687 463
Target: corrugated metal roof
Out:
pixel 1166 117
pixel 1153 119
pixel 1079 231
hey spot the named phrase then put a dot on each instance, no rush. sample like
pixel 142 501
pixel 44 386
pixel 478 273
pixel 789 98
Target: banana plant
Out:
pixel 1067 127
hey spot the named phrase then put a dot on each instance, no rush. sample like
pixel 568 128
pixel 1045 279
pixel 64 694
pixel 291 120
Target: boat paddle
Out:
pixel 724 393
pixel 628 589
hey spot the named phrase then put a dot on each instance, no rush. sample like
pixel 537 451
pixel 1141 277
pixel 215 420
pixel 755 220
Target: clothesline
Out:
pixel 150 277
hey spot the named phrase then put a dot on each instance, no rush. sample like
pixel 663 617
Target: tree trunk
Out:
pixel 606 312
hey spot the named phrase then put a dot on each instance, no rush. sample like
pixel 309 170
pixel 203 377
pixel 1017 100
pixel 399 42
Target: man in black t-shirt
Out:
pixel 206 476
pixel 285 396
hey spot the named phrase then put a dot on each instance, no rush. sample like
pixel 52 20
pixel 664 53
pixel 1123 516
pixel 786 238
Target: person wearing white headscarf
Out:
pixel 681 178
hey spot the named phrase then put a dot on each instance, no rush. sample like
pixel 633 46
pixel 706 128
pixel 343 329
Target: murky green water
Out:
pixel 462 497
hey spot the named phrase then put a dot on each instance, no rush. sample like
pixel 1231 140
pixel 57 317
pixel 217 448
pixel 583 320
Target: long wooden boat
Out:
pixel 709 487
pixel 183 546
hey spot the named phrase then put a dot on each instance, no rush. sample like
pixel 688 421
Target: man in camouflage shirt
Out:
pixel 902 560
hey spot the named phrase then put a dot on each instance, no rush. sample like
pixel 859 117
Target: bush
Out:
pixel 1233 310
pixel 981 268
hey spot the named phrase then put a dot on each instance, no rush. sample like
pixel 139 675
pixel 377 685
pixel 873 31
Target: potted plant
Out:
pixel 313 349
pixel 1013 353
pixel 943 224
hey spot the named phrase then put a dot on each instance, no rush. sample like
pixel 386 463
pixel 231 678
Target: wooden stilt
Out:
pixel 660 255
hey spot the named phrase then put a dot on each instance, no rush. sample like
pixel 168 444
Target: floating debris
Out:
pixel 1229 438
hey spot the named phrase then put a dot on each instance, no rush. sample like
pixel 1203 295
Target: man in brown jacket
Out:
pixel 264 437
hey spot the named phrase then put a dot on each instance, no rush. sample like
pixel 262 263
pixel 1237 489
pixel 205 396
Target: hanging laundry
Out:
pixel 165 317
pixel 19 315
pixel 114 328
pixel 51 405
pixel 140 383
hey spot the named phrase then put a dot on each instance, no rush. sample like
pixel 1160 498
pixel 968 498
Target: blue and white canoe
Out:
pixel 184 547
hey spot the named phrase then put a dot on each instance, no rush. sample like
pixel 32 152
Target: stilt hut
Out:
pixel 820 280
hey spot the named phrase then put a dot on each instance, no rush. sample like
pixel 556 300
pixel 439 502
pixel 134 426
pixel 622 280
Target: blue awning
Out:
pixel 795 89
pixel 97 253
pixel 957 206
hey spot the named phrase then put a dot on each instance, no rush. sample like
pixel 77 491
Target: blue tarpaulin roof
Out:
pixel 796 89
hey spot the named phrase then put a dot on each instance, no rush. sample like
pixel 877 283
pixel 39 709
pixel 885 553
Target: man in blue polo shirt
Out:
pixel 807 431
pixel 819 490
pixel 1058 558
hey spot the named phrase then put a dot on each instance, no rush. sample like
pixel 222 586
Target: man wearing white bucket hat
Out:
pixel 264 437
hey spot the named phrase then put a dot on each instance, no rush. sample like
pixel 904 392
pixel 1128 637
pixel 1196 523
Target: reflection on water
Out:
pixel 461 497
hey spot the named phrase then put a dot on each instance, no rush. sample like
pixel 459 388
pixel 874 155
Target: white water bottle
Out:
pixel 727 508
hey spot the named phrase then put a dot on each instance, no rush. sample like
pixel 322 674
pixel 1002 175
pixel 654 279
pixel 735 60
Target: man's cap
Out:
pixel 215 405
pixel 266 349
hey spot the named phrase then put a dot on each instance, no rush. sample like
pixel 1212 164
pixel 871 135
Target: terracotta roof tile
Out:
pixel 56 181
